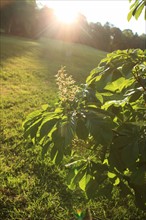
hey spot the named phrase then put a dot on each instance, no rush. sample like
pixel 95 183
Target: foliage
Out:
pixel 108 114
pixel 136 9
pixel 18 17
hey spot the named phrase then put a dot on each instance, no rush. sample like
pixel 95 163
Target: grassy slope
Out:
pixel 32 188
pixel 28 71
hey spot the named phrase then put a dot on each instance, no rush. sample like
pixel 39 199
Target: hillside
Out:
pixel 28 71
pixel 32 188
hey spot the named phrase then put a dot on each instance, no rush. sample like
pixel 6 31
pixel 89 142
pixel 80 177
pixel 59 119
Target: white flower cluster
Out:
pixel 66 86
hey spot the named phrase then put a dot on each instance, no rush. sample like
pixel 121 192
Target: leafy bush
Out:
pixel 106 115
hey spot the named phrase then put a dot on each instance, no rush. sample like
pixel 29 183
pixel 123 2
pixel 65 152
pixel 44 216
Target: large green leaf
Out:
pixel 139 10
pixel 135 96
pixel 32 118
pixel 45 148
pixel 47 125
pixel 139 176
pixel 67 129
pixel 97 187
pixel 76 174
pixel 119 84
pixel 58 149
pixel 138 183
pixel 100 127
pixel 81 129
pixel 125 149
pixel 84 181
pixel 33 128
pixel 136 9
pixel 127 69
pixel 91 188
pixel 142 150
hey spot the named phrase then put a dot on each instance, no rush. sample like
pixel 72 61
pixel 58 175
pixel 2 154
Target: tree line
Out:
pixel 24 18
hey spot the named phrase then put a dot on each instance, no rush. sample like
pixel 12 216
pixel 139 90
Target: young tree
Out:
pixel 105 119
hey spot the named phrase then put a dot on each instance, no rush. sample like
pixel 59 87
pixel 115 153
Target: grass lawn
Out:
pixel 32 188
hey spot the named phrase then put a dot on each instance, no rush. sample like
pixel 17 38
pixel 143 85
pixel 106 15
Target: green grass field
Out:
pixel 32 188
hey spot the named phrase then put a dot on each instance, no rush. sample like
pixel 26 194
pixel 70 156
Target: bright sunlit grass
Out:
pixel 28 183
pixel 28 70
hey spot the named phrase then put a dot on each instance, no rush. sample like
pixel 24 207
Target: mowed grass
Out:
pixel 32 188
pixel 28 70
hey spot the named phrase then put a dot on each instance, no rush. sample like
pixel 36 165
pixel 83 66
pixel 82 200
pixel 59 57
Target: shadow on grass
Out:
pixel 52 189
pixel 12 46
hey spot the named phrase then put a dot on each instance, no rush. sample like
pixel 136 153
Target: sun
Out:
pixel 65 11
pixel 66 16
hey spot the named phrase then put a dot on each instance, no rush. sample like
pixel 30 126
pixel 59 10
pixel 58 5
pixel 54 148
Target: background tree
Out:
pixel 23 18
pixel 19 18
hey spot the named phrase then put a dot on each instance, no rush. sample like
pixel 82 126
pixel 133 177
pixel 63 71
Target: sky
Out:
pixel 112 11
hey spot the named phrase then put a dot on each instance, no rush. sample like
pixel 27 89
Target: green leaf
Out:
pixel 53 153
pixel 56 155
pixel 140 196
pixel 100 127
pixel 97 183
pixel 67 130
pixel 91 188
pixel 130 154
pixel 111 175
pixel 127 69
pixel 99 97
pixel 115 159
pixel 119 84
pixel 58 150
pixel 139 176
pixel 125 146
pixel 94 73
pixel 47 125
pixel 130 14
pixel 45 148
pixel 33 129
pixel 32 118
pixel 84 181
pixel 80 173
pixel 135 96
pixel 70 176
pixel 133 10
pixel 117 181
pixel 139 10
pixel 116 74
pixel 76 174
pixel 59 156
pixel 45 107
pixel 142 150
pixel 81 129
